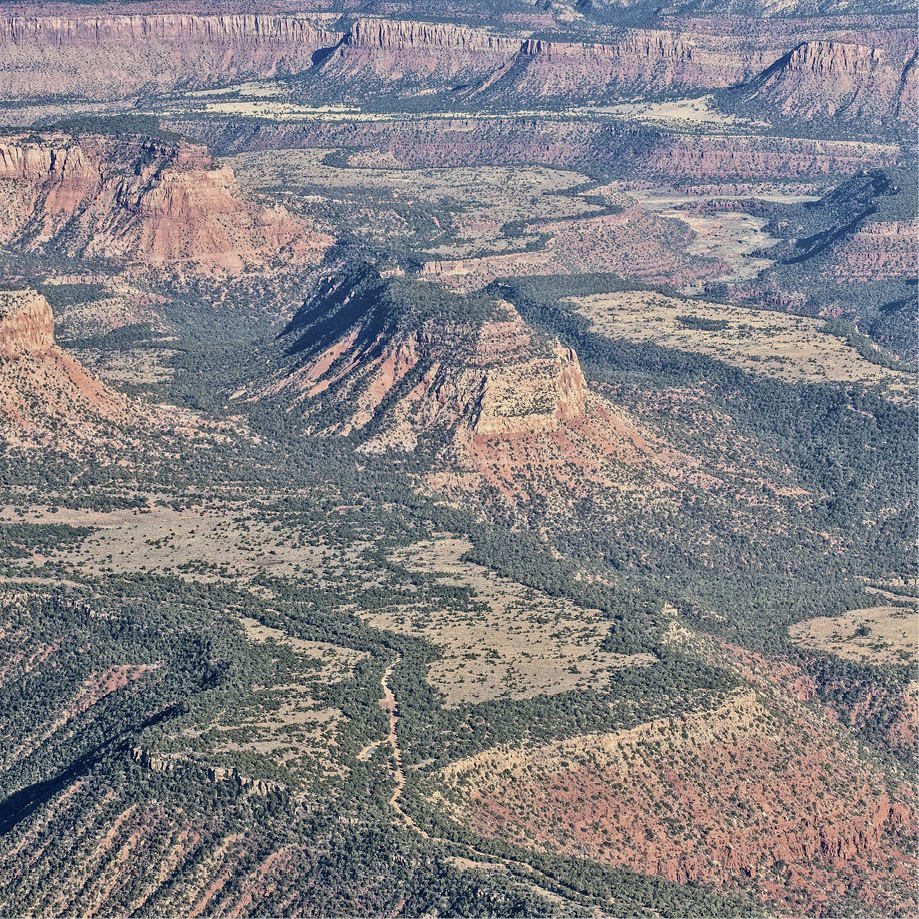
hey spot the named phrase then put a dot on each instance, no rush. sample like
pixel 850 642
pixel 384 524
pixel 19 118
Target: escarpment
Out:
pixel 42 388
pixel 400 376
pixel 141 201
pixel 109 56
pixel 387 34
pixel 26 324
pixel 97 30
pixel 112 56
pixel 462 381
pixel 837 79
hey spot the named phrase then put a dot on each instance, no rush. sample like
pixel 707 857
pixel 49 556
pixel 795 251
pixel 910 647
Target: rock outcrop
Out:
pixel 718 796
pixel 406 366
pixel 878 251
pixel 142 201
pixel 388 35
pixel 43 389
pixel 644 152
pixel 113 56
pixel 836 79
pixel 444 374
pixel 26 324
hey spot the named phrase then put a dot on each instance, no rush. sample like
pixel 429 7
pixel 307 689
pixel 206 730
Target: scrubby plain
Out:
pixel 458 461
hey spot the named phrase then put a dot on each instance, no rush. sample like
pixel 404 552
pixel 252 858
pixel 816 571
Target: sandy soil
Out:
pixel 525 643
pixel 880 634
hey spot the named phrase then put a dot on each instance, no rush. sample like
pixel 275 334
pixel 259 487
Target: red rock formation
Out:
pixel 40 385
pixel 388 34
pixel 442 142
pixel 113 55
pixel 390 52
pixel 507 382
pixel 141 201
pixel 110 56
pixel 878 251
pixel 26 324
pixel 834 78
pixel 647 59
pixel 506 409
pixel 734 796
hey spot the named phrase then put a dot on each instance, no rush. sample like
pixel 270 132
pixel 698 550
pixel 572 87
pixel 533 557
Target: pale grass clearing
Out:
pixel 730 236
pixel 298 733
pixel 337 662
pixel 793 348
pixel 880 634
pixel 228 541
pixel 682 112
pixel 525 644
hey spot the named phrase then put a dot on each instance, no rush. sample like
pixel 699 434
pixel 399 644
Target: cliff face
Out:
pixel 450 377
pixel 97 30
pixel 498 404
pixel 112 56
pixel 650 60
pixel 837 79
pixel 41 387
pixel 387 34
pixel 140 201
pixel 646 153
pixel 877 251
pixel 115 56
pixel 26 324
pixel 519 69
pixel 381 54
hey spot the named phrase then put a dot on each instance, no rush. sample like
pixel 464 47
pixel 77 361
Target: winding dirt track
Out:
pixel 390 704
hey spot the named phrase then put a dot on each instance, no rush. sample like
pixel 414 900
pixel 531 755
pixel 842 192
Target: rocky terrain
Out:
pixel 144 51
pixel 490 391
pixel 644 152
pixel 46 397
pixel 853 254
pixel 458 459
pixel 836 79
pixel 786 66
pixel 140 201
pixel 684 799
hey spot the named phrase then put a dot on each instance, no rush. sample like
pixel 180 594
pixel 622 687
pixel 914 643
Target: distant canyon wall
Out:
pixel 45 55
pixel 445 142
pixel 107 57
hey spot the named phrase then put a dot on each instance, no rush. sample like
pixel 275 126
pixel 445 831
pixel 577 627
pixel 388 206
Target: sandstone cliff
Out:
pixel 644 152
pixel 43 389
pixel 140 201
pixel 26 324
pixel 112 56
pixel 837 79
pixel 406 366
pixel 450 375
pixel 832 67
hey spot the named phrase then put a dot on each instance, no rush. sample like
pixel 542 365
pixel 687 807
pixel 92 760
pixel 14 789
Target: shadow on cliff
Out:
pixel 21 804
